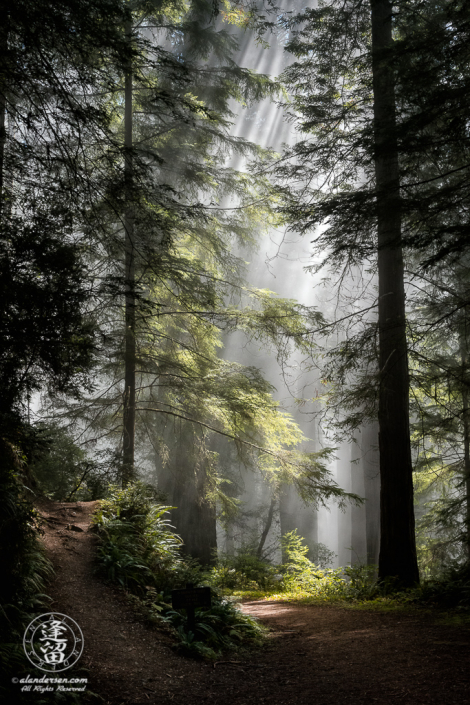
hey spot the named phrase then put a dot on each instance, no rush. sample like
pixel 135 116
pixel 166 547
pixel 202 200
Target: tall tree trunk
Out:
pixel 194 516
pixel 358 512
pixel 371 462
pixel 186 480
pixel 267 526
pixel 344 515
pixel 397 545
pixel 128 470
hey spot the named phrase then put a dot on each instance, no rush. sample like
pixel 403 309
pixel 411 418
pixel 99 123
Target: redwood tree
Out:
pixel 397 538
pixel 343 174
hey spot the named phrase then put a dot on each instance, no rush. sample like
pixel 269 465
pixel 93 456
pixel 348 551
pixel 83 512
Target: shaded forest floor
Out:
pixel 314 654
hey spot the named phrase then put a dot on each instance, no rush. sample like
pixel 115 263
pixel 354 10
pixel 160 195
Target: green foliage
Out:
pixel 301 575
pixel 139 551
pixel 136 541
pixel 62 469
pixel 25 570
pixel 362 582
pixel 220 628
pixel 244 571
pixel 23 563
pixel 298 577
pixel 189 286
pixel 451 589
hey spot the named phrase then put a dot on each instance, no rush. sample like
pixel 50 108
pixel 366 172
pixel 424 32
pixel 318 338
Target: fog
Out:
pixel 350 534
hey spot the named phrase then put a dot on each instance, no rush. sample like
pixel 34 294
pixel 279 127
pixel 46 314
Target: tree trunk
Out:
pixel 194 517
pixel 187 482
pixel 344 515
pixel 264 535
pixel 397 545
pixel 358 512
pixel 128 470
pixel 371 462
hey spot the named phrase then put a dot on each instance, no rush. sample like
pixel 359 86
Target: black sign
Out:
pixel 191 598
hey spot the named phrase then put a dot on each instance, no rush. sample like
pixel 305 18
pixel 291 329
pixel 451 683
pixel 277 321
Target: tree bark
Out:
pixel 397 558
pixel 194 516
pixel 371 462
pixel 128 469
pixel 344 515
pixel 264 535
pixel 358 513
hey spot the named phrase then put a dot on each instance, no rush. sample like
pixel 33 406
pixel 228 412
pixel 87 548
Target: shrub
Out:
pixel 136 541
pixel 298 575
pixel 244 571
pixel 139 551
pixel 221 627
pixel 452 589
pixel 301 575
pixel 25 571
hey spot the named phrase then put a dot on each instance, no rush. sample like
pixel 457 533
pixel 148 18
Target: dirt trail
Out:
pixel 320 655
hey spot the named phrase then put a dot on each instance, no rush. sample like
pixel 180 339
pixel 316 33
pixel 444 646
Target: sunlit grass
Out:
pixel 405 601
pixel 399 602
pixel 396 602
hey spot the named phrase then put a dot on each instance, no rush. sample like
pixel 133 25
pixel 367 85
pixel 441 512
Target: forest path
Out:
pixel 314 655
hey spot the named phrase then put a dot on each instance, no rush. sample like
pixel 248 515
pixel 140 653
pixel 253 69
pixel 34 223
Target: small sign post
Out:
pixel 189 598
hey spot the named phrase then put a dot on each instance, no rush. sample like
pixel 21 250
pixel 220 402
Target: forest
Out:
pixel 235 354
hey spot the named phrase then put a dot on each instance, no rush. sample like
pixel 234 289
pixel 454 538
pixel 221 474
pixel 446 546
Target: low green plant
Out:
pixel 244 571
pixel 451 589
pixel 219 628
pixel 137 544
pixel 301 575
pixel 246 576
pixel 139 551
pixel 362 581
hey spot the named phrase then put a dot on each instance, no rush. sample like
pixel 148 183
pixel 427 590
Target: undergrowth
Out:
pixel 450 590
pixel 301 580
pixel 298 578
pixel 139 551
pixel 26 570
